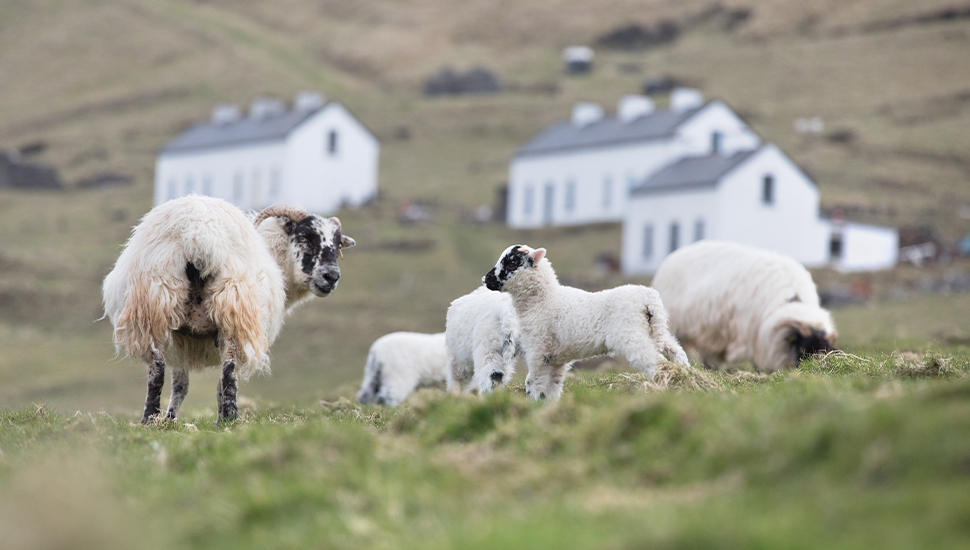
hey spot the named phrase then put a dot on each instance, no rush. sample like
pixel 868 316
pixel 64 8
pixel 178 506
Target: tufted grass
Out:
pixel 847 452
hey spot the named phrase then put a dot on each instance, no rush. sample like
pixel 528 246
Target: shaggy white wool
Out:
pixel 400 362
pixel 561 324
pixel 734 303
pixel 482 334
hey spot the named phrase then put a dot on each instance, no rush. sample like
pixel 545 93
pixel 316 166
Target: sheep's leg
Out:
pixel 545 381
pixel 226 398
pixel 180 387
pixel 644 356
pixel 156 379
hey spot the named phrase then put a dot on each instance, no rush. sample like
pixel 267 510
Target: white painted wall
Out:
pixel 241 175
pixel 322 181
pixel 789 224
pixel 299 170
pixel 865 247
pixel 660 211
pixel 624 166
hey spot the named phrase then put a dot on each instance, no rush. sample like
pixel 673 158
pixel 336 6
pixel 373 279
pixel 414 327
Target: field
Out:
pixel 844 453
pixel 856 451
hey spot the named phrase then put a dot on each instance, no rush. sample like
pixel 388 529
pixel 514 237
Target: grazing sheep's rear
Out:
pixel 482 333
pixel 400 362
pixel 735 303
pixel 199 284
pixel 561 324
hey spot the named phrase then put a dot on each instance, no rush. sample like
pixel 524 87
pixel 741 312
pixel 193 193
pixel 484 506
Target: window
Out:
pixel 674 236
pixel 716 139
pixel 648 241
pixel 237 189
pixel 835 246
pixel 189 185
pixel 570 196
pixel 698 230
pixel 631 183
pixel 274 184
pixel 607 193
pixel 768 189
pixel 332 142
pixel 172 189
pixel 527 201
pixel 207 185
pixel 549 203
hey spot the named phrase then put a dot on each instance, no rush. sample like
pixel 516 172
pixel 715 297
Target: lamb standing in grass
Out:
pixel 482 334
pixel 399 363
pixel 199 284
pixel 735 303
pixel 561 324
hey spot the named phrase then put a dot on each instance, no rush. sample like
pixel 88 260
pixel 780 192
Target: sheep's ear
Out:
pixel 538 254
pixel 347 242
pixel 288 225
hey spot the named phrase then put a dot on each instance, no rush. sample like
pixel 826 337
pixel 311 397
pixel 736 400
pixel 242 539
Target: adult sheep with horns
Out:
pixel 199 284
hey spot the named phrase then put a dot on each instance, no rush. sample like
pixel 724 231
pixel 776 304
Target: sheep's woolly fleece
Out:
pixel 400 362
pixel 733 303
pixel 482 336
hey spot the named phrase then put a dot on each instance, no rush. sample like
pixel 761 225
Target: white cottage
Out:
pixel 315 155
pixel 582 171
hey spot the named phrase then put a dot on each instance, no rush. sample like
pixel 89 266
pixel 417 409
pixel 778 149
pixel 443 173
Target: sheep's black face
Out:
pixel 804 346
pixel 513 259
pixel 316 243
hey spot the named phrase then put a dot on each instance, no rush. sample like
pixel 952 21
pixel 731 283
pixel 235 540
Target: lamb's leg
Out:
pixel 643 355
pixel 545 381
pixel 226 400
pixel 180 387
pixel 156 379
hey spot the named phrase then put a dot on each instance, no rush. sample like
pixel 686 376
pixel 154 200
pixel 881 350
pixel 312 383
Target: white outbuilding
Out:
pixel 315 155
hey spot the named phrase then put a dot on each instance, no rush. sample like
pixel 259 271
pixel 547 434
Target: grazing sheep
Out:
pixel 482 333
pixel 734 303
pixel 400 362
pixel 561 324
pixel 199 284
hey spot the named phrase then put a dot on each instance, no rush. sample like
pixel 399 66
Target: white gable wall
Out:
pixel 789 224
pixel 242 175
pixel 321 181
pixel 865 247
pixel 697 132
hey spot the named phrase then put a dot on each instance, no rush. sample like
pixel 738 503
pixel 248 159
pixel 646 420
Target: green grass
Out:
pixel 847 452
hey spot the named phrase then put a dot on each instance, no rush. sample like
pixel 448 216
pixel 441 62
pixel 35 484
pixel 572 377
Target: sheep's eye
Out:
pixel 301 240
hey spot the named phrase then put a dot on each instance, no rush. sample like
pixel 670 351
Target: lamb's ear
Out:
pixel 538 254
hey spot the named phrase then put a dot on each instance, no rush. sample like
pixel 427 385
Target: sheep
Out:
pixel 561 324
pixel 482 333
pixel 734 303
pixel 399 363
pixel 200 284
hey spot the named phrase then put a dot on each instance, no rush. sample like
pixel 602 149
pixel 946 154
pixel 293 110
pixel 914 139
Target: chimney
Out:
pixel 682 99
pixel 264 107
pixel 632 107
pixel 307 101
pixel 225 113
pixel 585 113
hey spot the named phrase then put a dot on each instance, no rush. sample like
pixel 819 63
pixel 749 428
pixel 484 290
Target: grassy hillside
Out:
pixel 845 453
pixel 105 83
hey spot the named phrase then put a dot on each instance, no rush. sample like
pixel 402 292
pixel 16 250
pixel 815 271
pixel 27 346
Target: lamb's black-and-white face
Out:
pixel 514 259
pixel 315 243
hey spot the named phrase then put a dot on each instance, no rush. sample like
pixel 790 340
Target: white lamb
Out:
pixel 400 362
pixel 561 324
pixel 482 333
pixel 734 303
pixel 200 284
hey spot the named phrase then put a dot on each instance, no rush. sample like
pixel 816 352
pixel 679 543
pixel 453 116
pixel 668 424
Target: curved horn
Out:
pixel 337 221
pixel 285 210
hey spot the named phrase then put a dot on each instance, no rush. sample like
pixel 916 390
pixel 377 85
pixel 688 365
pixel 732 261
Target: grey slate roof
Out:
pixel 693 173
pixel 608 131
pixel 210 135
